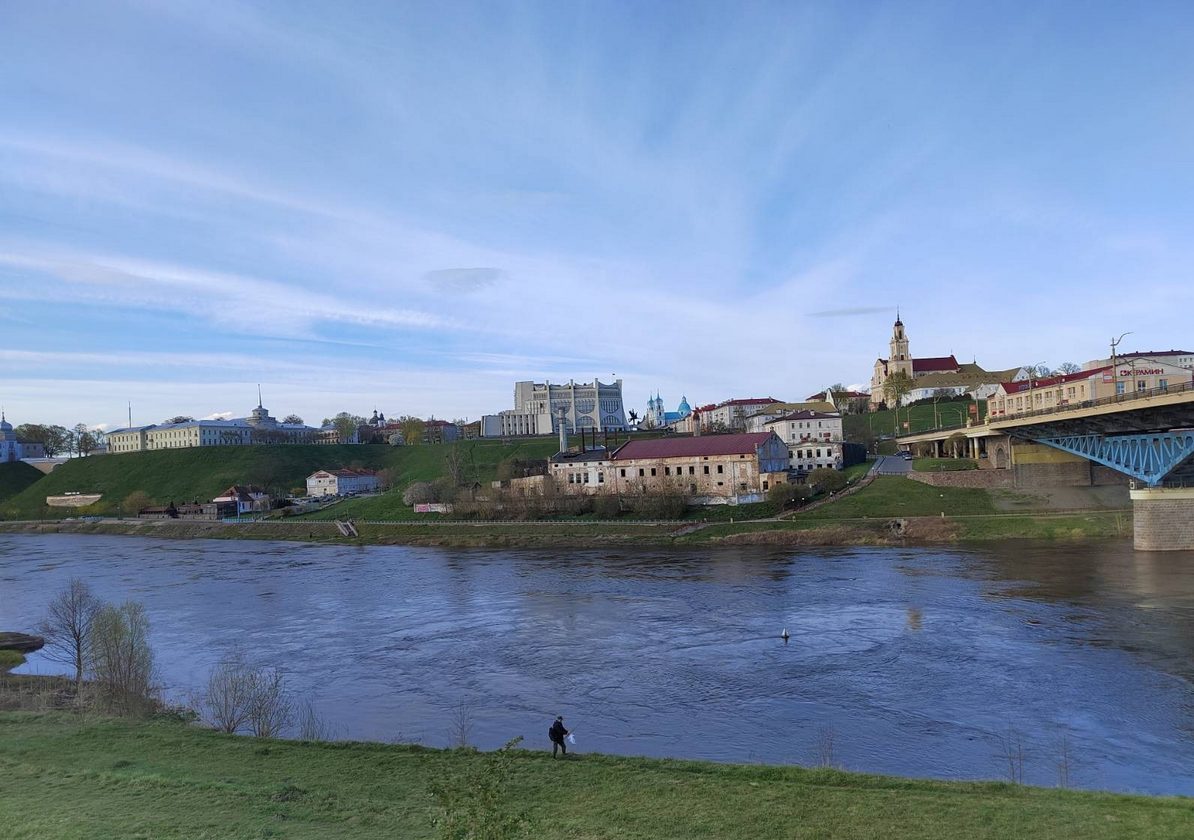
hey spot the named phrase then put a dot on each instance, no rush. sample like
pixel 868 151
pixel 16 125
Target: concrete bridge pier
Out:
pixel 1163 518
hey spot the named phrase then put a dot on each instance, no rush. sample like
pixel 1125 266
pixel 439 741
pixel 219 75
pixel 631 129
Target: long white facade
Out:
pixel 258 428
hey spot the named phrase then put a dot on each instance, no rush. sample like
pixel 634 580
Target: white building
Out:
pixel 13 449
pixel 248 499
pixel 342 482
pixel 258 428
pixel 814 439
pixel 538 407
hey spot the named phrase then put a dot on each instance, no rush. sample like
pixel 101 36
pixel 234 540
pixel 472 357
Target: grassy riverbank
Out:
pixel 66 778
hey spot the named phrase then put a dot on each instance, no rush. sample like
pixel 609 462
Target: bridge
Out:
pixel 1145 435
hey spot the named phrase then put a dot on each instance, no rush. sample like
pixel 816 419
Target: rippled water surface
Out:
pixel 915 659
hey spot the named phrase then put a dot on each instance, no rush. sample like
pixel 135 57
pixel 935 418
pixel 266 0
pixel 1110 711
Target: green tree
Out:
pixel 135 502
pixel 54 439
pixel 121 658
pixel 292 420
pixel 474 803
pixel 826 480
pixel 895 387
pixel 412 429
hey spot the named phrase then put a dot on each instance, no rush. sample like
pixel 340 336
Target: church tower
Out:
pixel 900 358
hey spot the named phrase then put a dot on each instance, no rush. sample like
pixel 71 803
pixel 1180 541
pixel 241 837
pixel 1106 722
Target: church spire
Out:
pixel 259 395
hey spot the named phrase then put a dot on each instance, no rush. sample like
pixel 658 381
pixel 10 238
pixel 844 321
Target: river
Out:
pixel 915 661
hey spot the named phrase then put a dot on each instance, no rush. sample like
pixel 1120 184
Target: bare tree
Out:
pixel 894 389
pixel 121 658
pixel 229 692
pixel 67 627
pixel 455 462
pixel 1068 367
pixel 1011 754
pixel 462 725
pixel 270 707
pixel 312 726
pixel 135 502
pixel 1065 759
pixel 823 747
pixel 292 420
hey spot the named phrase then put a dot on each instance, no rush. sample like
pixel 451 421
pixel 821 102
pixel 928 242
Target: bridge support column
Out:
pixel 1163 518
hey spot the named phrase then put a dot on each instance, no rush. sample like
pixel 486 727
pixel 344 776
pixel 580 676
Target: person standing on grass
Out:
pixel 557 733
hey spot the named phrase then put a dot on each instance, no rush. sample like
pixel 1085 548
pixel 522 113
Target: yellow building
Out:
pixel 1129 376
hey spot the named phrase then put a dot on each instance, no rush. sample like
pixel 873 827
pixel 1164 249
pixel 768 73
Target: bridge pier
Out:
pixel 1163 518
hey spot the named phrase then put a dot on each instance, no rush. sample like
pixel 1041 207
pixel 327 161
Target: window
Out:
pixel 601 478
pixel 667 471
pixel 652 471
pixel 765 485
pixel 1119 388
pixel 706 469
pixel 1163 384
pixel 641 472
pixel 623 473
pixel 1141 385
pixel 719 469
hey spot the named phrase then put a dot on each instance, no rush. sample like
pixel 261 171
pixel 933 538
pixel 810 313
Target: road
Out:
pixel 892 465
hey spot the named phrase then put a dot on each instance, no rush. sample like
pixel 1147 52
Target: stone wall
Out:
pixel 1163 519
pixel 985 479
pixel 1057 474
pixel 1101 476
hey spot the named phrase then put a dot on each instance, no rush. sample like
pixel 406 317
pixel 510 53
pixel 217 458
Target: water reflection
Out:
pixel 917 660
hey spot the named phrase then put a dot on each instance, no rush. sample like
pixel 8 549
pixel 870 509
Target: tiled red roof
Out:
pixel 692 447
pixel 1021 386
pixel 935 363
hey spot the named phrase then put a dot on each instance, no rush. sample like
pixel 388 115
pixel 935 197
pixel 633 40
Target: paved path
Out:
pixel 892 465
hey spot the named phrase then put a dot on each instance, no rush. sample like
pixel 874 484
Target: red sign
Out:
pixel 1108 376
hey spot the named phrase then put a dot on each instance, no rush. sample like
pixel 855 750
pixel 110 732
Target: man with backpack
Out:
pixel 557 734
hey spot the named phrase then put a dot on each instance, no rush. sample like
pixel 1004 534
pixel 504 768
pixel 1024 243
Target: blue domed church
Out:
pixel 660 418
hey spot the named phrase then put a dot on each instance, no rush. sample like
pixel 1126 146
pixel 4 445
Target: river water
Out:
pixel 915 660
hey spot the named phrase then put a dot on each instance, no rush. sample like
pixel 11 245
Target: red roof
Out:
pixel 935 363
pixel 691 447
pixel 1022 385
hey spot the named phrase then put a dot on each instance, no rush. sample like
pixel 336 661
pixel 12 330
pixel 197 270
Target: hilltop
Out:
pixel 200 473
pixel 15 477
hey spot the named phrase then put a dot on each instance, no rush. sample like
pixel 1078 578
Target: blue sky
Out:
pixel 412 205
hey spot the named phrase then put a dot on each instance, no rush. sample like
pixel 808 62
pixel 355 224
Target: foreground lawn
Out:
pixel 893 495
pixel 61 777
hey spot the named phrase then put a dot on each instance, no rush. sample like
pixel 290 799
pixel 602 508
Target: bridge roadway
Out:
pixel 1146 435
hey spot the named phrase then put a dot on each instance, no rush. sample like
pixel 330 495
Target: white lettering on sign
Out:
pixel 1141 372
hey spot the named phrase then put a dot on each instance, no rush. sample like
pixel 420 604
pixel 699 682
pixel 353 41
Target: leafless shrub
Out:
pixel 225 705
pixel 1065 759
pixel 823 747
pixel 312 725
pixel 121 659
pixel 462 725
pixel 67 628
pixel 270 706
pixel 1011 754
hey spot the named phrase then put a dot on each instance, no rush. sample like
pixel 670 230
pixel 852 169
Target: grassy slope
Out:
pixel 200 473
pixel 65 779
pixel 919 418
pixel 891 496
pixel 15 477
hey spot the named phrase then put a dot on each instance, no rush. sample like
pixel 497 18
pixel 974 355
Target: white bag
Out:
pixel 571 738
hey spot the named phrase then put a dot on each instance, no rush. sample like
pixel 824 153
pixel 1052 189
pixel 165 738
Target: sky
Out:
pixel 410 206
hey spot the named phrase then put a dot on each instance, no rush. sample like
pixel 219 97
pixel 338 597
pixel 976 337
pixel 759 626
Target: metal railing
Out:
pixel 1126 397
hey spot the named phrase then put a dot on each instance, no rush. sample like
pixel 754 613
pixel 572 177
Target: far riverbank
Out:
pixel 797 530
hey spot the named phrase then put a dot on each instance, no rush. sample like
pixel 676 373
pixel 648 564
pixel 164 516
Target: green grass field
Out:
pixel 920 418
pixel 16 477
pixel 66 778
pixel 892 496
pixel 943 464
pixel 200 473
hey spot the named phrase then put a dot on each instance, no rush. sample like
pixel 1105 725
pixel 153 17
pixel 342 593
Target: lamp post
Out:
pixel 1114 365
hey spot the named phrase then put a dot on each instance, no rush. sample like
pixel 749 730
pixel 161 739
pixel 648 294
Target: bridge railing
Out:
pixel 1127 396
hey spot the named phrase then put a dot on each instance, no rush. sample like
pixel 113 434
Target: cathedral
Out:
pixel 900 359
pixel 659 418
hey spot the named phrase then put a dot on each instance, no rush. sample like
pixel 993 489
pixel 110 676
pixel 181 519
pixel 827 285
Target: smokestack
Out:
pixel 563 430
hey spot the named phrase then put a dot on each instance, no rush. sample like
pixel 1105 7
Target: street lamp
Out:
pixel 1114 372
